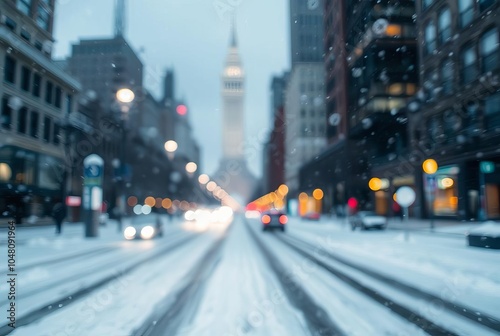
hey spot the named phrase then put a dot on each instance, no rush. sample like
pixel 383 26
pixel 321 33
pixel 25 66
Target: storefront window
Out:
pixel 50 173
pixel 442 191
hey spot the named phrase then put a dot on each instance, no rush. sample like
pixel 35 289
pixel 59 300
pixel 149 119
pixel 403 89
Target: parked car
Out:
pixel 311 216
pixel 273 220
pixel 367 220
pixel 144 227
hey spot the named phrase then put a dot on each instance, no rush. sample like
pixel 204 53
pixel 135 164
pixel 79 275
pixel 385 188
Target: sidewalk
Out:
pixel 454 227
pixel 28 222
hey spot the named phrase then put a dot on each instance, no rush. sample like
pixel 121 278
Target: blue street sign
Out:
pixel 487 167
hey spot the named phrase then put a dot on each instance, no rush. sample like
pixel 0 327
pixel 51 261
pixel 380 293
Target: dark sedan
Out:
pixel 274 220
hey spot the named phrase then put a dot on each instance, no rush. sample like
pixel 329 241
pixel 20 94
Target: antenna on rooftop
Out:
pixel 119 18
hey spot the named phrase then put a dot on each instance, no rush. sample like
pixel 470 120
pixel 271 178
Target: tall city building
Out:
pixel 274 149
pixel 455 117
pixel 371 63
pixel 37 100
pixel 305 94
pixel 233 174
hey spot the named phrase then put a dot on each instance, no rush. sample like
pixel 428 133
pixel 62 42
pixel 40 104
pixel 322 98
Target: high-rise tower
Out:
pixel 233 174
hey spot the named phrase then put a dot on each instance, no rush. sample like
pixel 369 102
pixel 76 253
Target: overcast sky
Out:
pixel 192 37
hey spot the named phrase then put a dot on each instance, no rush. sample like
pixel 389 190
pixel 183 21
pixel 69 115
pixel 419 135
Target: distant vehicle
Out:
pixel 273 220
pixel 367 220
pixel 144 227
pixel 311 216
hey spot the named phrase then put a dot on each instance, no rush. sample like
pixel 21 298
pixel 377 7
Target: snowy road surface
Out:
pixel 233 279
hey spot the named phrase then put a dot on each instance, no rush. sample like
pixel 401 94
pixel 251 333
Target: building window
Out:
pixel 38 45
pixel 47 123
pixel 430 38
pixel 488 47
pixel 483 4
pixel 452 124
pixel 37 81
pixel 6 114
pixel 56 134
pixel 22 120
pixel 25 35
pixel 42 18
pixel 25 78
pixel 469 64
pixel 58 97
pixel 10 69
pixel 34 124
pixel 24 6
pixel 435 131
pixel 69 103
pixel 49 87
pixel 447 76
pixel 426 3
pixel 466 8
pixel 11 24
pixel 444 25
pixel 492 111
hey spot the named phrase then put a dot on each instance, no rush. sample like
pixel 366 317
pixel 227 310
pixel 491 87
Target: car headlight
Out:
pixel 147 232
pixel 130 232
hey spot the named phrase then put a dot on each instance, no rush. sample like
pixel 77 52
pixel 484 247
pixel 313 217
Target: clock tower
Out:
pixel 233 91
pixel 233 174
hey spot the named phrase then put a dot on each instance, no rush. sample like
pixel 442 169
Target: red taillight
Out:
pixel 283 219
pixel 266 219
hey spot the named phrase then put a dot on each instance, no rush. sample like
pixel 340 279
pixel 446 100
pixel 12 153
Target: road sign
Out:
pixel 487 167
pixel 405 196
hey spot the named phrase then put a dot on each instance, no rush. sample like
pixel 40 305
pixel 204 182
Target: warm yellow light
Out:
pixel 211 186
pixel 394 197
pixel 375 184
pixel 203 178
pixel 303 197
pixel 447 182
pixel 393 30
pixel 184 205
pixel 171 146
pixel 430 166
pixel 191 167
pixel 125 95
pixel 132 201
pixel 150 201
pixel 166 203
pixel 318 194
pixel 283 189
pixel 5 172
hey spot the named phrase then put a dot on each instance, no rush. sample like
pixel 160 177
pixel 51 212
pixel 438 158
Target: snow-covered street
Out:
pixel 317 278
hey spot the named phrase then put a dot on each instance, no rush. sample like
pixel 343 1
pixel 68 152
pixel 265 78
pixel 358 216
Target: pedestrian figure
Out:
pixel 59 213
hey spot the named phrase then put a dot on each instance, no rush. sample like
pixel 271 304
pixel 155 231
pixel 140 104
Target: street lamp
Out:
pixel 171 146
pixel 430 168
pixel 191 167
pixel 125 98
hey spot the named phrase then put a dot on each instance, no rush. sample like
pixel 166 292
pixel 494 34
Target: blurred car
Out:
pixel 273 220
pixel 367 220
pixel 144 227
pixel 311 216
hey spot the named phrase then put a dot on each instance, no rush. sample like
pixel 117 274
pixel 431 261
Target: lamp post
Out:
pixel 125 98
pixel 171 146
pixel 430 168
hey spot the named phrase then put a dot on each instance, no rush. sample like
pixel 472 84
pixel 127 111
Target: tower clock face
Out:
pixel 233 71
pixel 313 4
